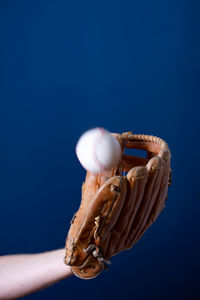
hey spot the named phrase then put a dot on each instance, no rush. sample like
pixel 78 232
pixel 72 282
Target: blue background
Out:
pixel 67 66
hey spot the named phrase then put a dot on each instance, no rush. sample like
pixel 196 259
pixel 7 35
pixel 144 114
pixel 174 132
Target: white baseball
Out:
pixel 98 150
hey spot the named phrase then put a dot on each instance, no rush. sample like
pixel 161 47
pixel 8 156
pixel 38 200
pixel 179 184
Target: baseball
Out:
pixel 98 150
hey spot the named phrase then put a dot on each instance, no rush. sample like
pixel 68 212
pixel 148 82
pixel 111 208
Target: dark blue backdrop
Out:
pixel 67 66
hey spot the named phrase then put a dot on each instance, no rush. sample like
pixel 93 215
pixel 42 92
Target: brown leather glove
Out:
pixel 118 205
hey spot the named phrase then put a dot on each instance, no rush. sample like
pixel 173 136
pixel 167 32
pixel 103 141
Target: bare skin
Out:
pixel 24 274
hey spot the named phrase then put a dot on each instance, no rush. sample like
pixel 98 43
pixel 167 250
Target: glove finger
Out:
pixel 138 177
pixel 147 195
pixel 110 214
pixel 160 200
pixel 98 219
pixel 155 169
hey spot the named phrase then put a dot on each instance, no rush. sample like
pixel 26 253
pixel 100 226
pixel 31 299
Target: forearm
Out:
pixel 27 273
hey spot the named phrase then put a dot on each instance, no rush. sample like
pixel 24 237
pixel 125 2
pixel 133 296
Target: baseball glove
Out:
pixel 118 205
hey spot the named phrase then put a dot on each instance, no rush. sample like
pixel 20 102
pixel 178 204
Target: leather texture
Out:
pixel 118 205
